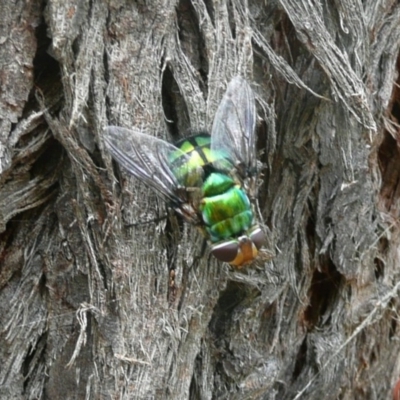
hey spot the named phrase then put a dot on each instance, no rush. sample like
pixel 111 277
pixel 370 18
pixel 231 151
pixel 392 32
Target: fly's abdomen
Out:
pixel 225 208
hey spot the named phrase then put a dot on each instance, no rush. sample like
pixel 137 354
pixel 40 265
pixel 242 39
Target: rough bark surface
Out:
pixel 94 307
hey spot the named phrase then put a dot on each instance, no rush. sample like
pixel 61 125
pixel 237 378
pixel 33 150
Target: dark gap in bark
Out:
pixel 120 180
pixel 75 46
pixel 26 366
pixel 210 10
pixel 389 163
pixel 379 268
pixel 285 38
pixel 262 145
pixel 191 38
pixel 396 95
pixel 194 392
pixel 48 158
pixel 5 241
pixel 229 299
pixel 373 358
pixel 32 359
pixel 107 81
pixel 10 266
pixel 324 288
pixel 311 229
pixel 393 305
pixel 168 86
pixel 231 18
pixel 103 272
pixel 175 109
pixel 42 284
pixel 301 359
pixel 389 156
pixel 47 75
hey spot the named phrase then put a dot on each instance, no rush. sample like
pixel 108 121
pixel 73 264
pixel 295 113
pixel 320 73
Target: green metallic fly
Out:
pixel 211 181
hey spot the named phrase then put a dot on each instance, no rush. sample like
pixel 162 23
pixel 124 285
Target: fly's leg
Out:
pixel 173 231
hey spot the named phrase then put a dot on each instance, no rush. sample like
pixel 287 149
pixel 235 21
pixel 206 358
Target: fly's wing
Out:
pixel 159 164
pixel 232 132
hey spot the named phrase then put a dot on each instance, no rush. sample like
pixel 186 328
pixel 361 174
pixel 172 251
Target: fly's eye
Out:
pixel 226 251
pixel 257 237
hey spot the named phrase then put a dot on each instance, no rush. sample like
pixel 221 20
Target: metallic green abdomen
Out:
pixel 225 208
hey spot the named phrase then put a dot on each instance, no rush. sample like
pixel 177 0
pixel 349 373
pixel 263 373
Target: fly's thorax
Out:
pixel 194 160
pixel 240 251
pixel 189 173
pixel 186 162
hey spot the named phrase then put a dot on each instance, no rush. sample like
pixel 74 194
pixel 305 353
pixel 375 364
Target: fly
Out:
pixel 210 180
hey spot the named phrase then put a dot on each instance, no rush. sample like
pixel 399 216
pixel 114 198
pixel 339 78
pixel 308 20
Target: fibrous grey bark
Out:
pixel 95 304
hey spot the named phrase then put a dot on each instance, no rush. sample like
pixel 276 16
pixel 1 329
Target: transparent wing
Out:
pixel 233 128
pixel 159 164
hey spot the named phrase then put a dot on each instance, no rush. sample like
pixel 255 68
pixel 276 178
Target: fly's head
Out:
pixel 240 251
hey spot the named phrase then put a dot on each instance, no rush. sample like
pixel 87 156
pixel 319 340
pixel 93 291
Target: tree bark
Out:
pixel 95 303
